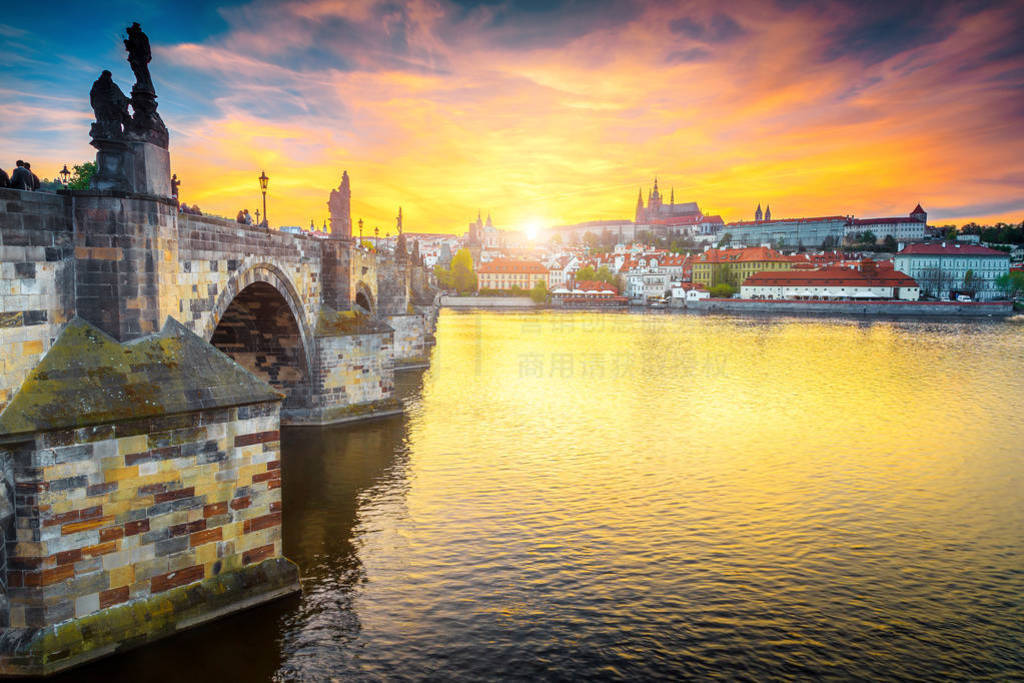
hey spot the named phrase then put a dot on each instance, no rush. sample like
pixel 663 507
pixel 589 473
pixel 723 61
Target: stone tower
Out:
pixel 340 206
pixel 767 212
pixel 757 214
pixel 639 206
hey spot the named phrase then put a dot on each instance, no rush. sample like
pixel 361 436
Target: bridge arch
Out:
pixel 364 297
pixel 259 321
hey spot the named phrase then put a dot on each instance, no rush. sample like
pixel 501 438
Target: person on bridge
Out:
pixel 21 178
pixel 240 218
pixel 35 178
pixel 248 218
pixel 4 178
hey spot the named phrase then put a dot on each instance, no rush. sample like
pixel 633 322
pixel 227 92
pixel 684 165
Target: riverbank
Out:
pixel 502 302
pixel 917 309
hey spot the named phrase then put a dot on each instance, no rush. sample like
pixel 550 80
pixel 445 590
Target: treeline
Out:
pixel 1000 233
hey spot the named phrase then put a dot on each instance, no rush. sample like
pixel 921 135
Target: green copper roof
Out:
pixel 89 378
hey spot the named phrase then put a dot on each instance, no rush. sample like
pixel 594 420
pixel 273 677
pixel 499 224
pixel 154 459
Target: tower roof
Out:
pixel 917 209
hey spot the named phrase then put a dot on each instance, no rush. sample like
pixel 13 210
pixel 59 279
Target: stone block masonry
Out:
pixel 109 514
pixel 36 281
pixel 132 471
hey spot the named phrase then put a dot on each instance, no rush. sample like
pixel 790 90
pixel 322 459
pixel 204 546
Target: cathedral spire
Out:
pixel 757 214
pixel 767 212
pixel 489 224
pixel 672 196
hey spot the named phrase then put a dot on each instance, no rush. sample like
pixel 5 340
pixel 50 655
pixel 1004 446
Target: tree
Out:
pixel 539 293
pixel 722 291
pixel 828 243
pixel 971 282
pixel 726 240
pixel 1011 284
pixel 81 179
pixel 866 237
pixel 585 273
pixel 890 243
pixel 604 274
pixel 463 276
pixel 951 234
pixel 444 278
pixel 590 240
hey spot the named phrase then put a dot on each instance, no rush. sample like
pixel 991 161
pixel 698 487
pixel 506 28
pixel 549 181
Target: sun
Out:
pixel 532 230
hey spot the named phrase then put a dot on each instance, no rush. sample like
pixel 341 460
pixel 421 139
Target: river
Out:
pixel 641 496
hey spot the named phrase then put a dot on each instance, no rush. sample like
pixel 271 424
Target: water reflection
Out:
pixel 650 497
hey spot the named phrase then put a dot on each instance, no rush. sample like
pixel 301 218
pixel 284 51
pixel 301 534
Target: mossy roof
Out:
pixel 333 323
pixel 88 378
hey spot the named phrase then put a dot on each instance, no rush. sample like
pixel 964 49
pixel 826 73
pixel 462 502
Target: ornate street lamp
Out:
pixel 65 175
pixel 263 186
pixel 360 232
pixel 376 236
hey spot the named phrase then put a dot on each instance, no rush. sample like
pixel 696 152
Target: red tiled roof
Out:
pixel 918 209
pixel 816 219
pixel 951 249
pixel 511 266
pixel 831 276
pixel 886 221
pixel 746 254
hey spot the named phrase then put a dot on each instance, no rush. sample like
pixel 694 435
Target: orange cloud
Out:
pixel 443 111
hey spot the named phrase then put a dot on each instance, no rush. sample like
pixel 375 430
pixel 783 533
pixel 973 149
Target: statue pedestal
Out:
pixel 151 173
pixel 132 166
pixel 115 164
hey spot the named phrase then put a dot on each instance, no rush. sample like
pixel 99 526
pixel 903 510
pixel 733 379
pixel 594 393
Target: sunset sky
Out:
pixel 544 111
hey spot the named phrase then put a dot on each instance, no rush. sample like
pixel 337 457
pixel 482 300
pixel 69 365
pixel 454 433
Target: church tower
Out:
pixel 919 214
pixel 757 214
pixel 639 207
pixel 654 206
pixel 340 207
pixel 767 212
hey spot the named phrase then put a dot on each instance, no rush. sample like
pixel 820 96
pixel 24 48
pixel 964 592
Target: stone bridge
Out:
pixel 322 320
pixel 147 361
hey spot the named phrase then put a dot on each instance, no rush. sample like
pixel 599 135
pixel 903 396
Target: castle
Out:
pixel 657 211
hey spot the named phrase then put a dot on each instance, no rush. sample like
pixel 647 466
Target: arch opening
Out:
pixel 363 302
pixel 259 332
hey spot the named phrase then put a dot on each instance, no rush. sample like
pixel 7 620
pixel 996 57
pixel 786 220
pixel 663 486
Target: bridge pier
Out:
pixel 141 496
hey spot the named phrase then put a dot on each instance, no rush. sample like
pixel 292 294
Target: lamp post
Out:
pixel 65 175
pixel 376 235
pixel 360 232
pixel 263 186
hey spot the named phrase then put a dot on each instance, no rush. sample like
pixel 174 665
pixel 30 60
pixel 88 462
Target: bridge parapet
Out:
pixel 36 280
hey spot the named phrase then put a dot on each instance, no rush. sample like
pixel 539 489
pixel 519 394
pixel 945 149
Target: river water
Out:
pixel 622 496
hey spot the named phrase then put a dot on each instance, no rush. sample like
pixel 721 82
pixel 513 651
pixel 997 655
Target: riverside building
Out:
pixel 832 283
pixel 507 273
pixel 949 267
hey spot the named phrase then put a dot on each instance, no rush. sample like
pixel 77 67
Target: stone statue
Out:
pixel 339 206
pixel 175 184
pixel 146 124
pixel 111 108
pixel 139 56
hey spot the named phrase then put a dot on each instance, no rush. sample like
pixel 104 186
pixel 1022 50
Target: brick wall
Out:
pixel 113 513
pixel 36 280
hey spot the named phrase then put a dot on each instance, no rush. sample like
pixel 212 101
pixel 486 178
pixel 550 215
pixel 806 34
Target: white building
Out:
pixel 561 269
pixel 943 268
pixel 688 291
pixel 902 228
pixel 831 283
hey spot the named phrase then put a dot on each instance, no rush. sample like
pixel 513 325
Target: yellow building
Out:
pixel 508 273
pixel 733 266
